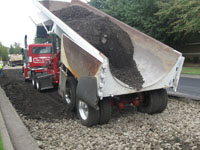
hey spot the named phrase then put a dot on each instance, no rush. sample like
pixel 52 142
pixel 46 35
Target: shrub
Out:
pixel 195 60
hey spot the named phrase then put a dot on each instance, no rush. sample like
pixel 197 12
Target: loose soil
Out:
pixel 108 38
pixel 28 101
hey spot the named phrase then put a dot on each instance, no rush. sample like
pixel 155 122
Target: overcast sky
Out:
pixel 15 22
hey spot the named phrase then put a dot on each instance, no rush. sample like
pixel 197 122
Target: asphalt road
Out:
pixel 189 87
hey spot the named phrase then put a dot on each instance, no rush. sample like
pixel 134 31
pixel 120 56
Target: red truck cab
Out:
pixel 39 55
pixel 36 58
pixel 41 65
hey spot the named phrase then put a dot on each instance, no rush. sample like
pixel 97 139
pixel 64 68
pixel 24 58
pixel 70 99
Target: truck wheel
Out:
pixel 26 80
pixel 33 79
pixel 70 94
pixel 105 111
pixel 164 98
pixel 87 115
pixel 154 102
pixel 38 86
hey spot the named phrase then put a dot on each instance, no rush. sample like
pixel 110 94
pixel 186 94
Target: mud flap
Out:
pixel 46 82
pixel 87 91
pixel 62 83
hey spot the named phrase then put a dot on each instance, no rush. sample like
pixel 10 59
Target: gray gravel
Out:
pixel 178 127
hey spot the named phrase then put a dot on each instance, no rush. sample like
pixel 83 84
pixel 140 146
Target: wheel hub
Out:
pixel 68 96
pixel 68 100
pixel 37 85
pixel 33 82
pixel 83 110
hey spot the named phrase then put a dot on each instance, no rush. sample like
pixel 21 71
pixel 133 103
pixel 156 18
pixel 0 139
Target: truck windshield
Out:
pixel 42 50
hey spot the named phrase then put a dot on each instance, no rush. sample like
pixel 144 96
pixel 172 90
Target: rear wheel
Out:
pixel 105 111
pixel 38 86
pixel 33 79
pixel 154 102
pixel 70 94
pixel 87 115
pixel 164 98
pixel 26 80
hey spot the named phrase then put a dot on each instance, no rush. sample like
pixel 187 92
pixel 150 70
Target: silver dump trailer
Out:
pixel 86 82
pixel 15 60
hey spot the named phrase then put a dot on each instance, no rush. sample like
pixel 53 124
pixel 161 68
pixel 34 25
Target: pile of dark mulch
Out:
pixel 108 38
pixel 47 105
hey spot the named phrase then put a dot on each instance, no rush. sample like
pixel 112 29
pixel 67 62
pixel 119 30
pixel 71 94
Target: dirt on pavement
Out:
pixel 108 38
pixel 28 101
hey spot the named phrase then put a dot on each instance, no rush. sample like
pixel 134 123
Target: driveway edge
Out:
pixel 181 95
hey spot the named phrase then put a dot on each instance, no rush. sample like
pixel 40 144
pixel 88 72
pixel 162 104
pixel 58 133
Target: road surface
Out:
pixel 189 87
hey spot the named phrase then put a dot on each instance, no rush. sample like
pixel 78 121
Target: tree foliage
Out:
pixel 3 52
pixel 171 21
pixel 40 40
pixel 180 20
pixel 15 48
pixel 98 3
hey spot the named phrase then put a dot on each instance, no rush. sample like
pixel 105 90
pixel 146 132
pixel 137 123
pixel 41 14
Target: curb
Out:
pixel 181 95
pixel 190 76
pixel 4 135
pixel 19 135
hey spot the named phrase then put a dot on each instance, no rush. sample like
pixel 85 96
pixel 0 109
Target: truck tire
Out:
pixel 26 80
pixel 154 102
pixel 38 85
pixel 70 94
pixel 105 111
pixel 164 98
pixel 33 79
pixel 87 115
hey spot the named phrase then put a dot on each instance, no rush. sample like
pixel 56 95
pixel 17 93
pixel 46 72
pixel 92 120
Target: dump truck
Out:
pixel 15 60
pixel 92 80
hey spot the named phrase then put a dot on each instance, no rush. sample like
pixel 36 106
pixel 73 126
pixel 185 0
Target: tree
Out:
pixel 166 20
pixel 15 48
pixel 3 52
pixel 100 4
pixel 179 20
pixel 40 40
pixel 136 13
pixel 11 50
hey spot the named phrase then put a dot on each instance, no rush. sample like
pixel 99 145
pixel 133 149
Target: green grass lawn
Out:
pixel 1 144
pixel 191 70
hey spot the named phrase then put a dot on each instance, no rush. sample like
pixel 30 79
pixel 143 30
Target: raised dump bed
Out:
pixel 158 64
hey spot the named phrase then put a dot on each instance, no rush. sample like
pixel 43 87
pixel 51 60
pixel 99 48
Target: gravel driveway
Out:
pixel 178 127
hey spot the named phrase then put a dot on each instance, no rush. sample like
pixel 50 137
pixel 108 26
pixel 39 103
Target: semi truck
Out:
pixel 39 61
pixel 83 73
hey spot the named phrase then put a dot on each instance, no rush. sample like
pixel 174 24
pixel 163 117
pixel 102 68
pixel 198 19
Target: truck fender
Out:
pixel 87 91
